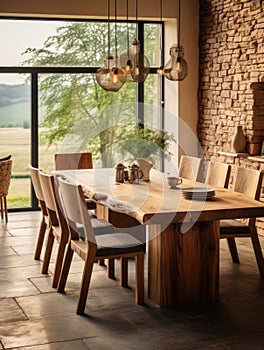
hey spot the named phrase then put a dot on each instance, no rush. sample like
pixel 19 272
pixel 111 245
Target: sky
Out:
pixel 16 37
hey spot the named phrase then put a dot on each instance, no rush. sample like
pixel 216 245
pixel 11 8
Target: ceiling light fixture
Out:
pixel 134 57
pixel 125 59
pixel 177 68
pixel 111 77
pixel 160 70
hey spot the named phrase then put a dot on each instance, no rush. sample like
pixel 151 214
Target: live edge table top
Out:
pixel 156 201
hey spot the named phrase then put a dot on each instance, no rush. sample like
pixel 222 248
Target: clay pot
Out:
pixel 238 143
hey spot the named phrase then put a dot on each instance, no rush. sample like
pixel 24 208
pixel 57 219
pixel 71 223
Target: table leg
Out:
pixel 183 268
pixel 101 212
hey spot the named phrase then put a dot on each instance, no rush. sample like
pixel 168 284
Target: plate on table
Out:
pixel 198 193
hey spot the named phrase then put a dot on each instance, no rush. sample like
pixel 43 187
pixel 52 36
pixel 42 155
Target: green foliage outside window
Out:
pixel 71 100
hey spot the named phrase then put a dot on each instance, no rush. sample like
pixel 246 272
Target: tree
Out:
pixel 26 124
pixel 75 104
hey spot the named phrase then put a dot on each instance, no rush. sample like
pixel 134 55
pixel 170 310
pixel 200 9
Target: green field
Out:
pixel 14 115
pixel 16 141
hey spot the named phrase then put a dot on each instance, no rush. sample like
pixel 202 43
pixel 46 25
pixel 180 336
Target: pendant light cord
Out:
pixel 161 41
pixel 108 25
pixel 178 24
pixel 127 28
pixel 137 17
pixel 115 34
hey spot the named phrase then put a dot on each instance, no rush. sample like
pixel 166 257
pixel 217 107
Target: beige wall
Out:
pixel 188 89
pixel 86 8
pixel 186 106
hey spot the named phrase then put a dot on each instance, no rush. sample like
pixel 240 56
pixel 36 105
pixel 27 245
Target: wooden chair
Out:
pixel 91 248
pixel 45 221
pixel 218 174
pixel 71 161
pixel 189 167
pixel 58 228
pixel 5 178
pixel 248 182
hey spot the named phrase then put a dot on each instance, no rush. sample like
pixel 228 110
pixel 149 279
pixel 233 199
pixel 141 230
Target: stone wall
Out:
pixel 231 90
pixel 231 63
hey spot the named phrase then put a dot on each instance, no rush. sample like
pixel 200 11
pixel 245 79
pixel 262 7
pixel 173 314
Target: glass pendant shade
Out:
pixel 134 61
pixel 126 64
pixel 177 68
pixel 140 63
pixel 110 76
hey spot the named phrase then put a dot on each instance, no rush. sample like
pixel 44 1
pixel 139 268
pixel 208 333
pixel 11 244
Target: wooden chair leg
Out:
pixel 139 293
pixel 257 251
pixel 65 269
pixel 86 278
pixel 101 262
pixel 5 208
pixel 41 235
pixel 2 209
pixel 48 251
pixel 58 265
pixel 233 249
pixel 124 272
pixel 111 268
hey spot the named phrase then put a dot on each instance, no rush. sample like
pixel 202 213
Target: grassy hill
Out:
pixel 14 115
pixel 10 94
pixel 14 105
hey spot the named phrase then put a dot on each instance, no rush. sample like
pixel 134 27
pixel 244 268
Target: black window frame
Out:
pixel 35 71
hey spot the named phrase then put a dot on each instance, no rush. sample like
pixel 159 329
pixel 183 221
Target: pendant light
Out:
pixel 111 77
pixel 160 70
pixel 138 62
pixel 125 59
pixel 177 68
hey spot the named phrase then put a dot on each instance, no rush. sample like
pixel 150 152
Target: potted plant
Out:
pixel 145 145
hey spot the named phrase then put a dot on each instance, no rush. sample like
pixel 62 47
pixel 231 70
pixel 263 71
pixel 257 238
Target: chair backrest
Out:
pixel 218 174
pixel 76 211
pixel 34 173
pixel 54 205
pixel 189 167
pixel 46 182
pixel 248 181
pixel 71 161
pixel 5 176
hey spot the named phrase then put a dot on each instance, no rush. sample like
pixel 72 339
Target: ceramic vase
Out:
pixel 144 165
pixel 238 143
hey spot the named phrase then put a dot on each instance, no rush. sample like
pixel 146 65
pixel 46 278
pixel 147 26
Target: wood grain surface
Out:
pixel 183 234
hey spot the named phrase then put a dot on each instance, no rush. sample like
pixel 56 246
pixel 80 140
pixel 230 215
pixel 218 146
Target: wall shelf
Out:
pixel 234 155
pixel 259 159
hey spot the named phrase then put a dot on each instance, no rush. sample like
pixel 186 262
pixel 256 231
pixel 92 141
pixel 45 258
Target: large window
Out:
pixel 50 101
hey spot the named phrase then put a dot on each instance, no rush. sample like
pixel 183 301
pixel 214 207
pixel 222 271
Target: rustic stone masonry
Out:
pixel 231 68
pixel 231 90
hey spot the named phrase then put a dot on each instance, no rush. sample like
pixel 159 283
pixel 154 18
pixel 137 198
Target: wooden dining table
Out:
pixel 182 234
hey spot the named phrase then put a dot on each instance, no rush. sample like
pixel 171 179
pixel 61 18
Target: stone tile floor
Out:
pixel 33 316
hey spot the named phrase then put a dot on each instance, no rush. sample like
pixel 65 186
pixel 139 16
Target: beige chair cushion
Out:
pixel 117 243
